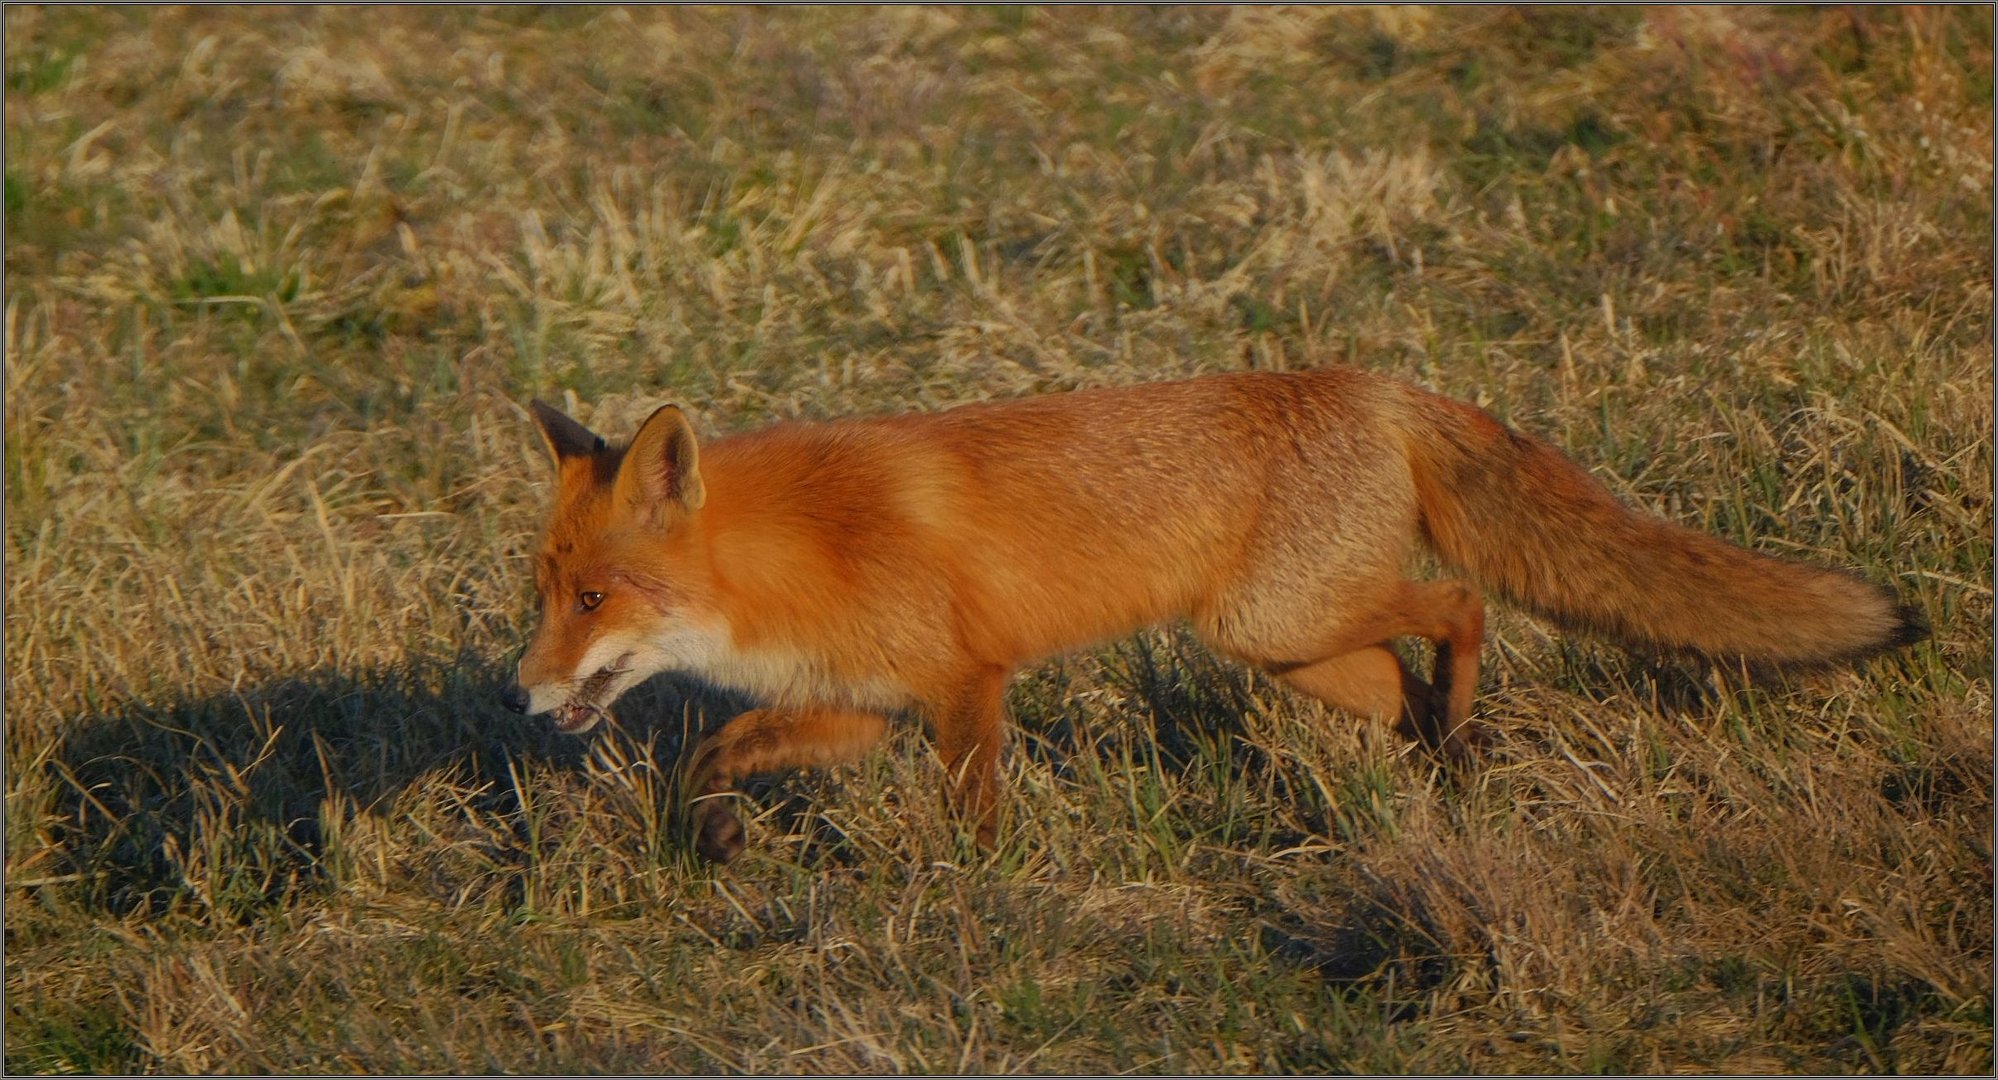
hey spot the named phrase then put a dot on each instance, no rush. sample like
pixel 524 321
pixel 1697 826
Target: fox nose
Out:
pixel 514 697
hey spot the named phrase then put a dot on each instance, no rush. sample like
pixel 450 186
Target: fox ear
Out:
pixel 565 437
pixel 662 467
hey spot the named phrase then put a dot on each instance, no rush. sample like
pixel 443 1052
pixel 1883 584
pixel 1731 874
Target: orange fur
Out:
pixel 843 571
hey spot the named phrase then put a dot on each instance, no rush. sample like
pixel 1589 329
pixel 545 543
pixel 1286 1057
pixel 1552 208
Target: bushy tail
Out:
pixel 1528 523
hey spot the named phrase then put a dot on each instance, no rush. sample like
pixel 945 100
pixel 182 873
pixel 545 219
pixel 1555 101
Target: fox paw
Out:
pixel 718 835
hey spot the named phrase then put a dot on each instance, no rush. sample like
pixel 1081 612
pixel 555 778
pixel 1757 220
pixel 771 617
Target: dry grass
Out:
pixel 278 280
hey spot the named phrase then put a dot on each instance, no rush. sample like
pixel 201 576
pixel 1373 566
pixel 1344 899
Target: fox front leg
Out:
pixel 968 727
pixel 761 741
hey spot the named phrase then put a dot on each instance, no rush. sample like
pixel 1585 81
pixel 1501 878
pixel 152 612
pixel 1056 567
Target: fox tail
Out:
pixel 1523 520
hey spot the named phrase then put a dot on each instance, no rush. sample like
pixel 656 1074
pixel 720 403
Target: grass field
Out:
pixel 279 282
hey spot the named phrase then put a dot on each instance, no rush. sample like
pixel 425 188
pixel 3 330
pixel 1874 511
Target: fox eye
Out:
pixel 590 600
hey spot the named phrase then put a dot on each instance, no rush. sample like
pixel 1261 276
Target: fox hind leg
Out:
pixel 1370 681
pixel 760 741
pixel 1352 668
pixel 1455 676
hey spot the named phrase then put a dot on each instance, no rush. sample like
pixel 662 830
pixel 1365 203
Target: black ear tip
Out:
pixel 566 437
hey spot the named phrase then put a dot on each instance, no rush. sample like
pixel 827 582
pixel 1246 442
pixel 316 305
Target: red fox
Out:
pixel 844 572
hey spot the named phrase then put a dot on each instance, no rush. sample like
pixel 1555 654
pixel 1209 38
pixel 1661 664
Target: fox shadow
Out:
pixel 248 776
pixel 247 779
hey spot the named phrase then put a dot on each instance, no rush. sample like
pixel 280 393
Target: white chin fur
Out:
pixel 683 648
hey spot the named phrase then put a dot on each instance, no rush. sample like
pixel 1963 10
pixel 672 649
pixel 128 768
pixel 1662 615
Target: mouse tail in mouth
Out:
pixel 579 717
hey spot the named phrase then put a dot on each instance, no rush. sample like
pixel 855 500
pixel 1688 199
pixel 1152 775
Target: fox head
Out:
pixel 619 576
